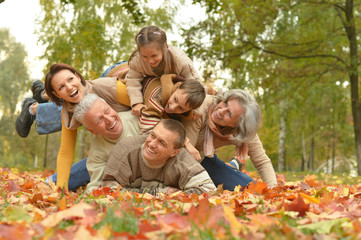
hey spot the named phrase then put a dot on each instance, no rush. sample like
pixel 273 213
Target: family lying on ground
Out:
pixel 156 128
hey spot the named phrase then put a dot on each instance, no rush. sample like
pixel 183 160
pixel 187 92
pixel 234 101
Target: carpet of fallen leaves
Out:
pixel 306 209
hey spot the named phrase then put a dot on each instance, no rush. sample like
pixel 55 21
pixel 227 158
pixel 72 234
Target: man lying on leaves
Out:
pixel 156 163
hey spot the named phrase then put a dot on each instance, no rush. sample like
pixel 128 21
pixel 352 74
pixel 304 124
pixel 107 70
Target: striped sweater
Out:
pixel 156 92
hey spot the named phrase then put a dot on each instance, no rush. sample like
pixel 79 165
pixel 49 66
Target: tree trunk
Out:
pixel 303 164
pixel 45 150
pixel 333 150
pixel 310 160
pixel 282 138
pixel 327 158
pixel 81 143
pixel 349 25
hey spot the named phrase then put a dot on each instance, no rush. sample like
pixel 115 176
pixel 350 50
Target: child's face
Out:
pixel 177 102
pixel 151 54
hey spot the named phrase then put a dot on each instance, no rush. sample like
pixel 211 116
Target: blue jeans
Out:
pixel 79 176
pixel 221 173
pixel 104 74
pixel 48 118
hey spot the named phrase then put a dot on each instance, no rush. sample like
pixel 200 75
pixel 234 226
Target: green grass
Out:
pixel 328 178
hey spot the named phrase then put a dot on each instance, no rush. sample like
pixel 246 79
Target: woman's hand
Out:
pixel 137 109
pixel 192 150
pixel 196 115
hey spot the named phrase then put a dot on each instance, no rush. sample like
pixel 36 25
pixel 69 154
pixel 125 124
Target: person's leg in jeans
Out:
pixel 114 70
pixel 48 118
pixel 79 175
pixel 222 173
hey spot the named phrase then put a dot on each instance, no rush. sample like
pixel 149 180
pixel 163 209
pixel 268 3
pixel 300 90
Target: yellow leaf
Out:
pixel 186 207
pixel 309 199
pixel 83 233
pixel 236 227
pixel 12 176
pixel 15 213
pixel 14 170
pixel 238 189
pixel 105 231
pixel 345 191
pixel 158 212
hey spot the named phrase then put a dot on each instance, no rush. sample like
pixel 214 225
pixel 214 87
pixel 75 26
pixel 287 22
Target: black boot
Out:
pixel 25 120
pixel 37 87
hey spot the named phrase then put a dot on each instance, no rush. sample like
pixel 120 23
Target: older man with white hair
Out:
pixel 164 163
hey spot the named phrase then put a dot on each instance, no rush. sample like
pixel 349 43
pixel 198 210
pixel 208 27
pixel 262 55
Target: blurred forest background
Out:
pixel 301 59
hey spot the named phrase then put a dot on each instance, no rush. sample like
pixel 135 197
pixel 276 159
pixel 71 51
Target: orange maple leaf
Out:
pixel 259 188
pixel 297 205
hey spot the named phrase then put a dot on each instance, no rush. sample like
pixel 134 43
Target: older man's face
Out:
pixel 102 119
pixel 159 145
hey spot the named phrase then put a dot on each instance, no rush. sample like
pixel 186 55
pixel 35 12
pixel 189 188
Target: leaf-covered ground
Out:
pixel 308 208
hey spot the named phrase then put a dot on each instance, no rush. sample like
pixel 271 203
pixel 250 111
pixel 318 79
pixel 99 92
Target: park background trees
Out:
pixel 299 58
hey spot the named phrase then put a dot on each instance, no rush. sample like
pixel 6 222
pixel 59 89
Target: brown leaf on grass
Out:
pixel 29 184
pixel 297 205
pixel 238 209
pixel 311 180
pixel 37 197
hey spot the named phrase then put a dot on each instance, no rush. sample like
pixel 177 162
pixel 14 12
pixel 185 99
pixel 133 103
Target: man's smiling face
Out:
pixel 102 119
pixel 159 145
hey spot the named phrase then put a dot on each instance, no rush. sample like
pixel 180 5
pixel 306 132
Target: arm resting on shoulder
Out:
pixel 192 150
